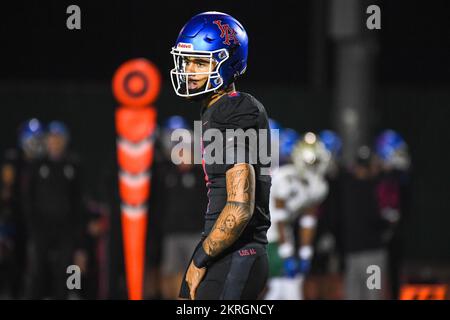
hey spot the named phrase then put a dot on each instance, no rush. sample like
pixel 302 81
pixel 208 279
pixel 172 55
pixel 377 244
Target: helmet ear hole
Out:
pixel 222 55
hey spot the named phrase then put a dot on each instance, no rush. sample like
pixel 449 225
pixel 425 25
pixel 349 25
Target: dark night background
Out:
pixel 50 72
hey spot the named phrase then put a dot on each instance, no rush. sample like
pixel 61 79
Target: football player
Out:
pixel 31 139
pixel 230 261
pixel 297 190
pixel 393 193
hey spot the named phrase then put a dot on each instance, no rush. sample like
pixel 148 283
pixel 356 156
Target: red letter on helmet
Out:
pixel 226 32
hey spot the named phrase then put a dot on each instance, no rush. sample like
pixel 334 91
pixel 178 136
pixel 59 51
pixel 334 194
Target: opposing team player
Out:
pixel 297 190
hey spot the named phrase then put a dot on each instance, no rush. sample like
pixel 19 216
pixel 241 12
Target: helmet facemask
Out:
pixel 181 78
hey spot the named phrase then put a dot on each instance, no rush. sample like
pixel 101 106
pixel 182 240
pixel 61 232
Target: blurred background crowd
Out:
pixel 329 221
pixel 362 119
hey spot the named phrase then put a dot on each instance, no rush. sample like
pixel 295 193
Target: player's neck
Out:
pixel 216 96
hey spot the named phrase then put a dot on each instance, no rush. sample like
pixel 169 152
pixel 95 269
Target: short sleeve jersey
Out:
pixel 243 124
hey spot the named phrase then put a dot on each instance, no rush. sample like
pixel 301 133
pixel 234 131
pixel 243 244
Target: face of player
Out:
pixel 56 145
pixel 8 174
pixel 200 66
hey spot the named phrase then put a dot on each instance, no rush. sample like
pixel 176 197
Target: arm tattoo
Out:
pixel 237 212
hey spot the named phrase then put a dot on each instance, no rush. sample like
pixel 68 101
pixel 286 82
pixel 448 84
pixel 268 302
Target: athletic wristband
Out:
pixel 201 258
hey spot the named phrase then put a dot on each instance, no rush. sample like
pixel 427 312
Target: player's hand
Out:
pixel 194 276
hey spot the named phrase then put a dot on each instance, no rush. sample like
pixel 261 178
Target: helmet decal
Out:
pixel 227 33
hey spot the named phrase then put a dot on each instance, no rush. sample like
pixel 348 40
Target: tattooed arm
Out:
pixel 229 225
pixel 237 211
pixel 235 215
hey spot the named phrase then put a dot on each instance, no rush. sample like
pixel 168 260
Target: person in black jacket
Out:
pixel 181 220
pixel 363 228
pixel 55 218
pixel 9 221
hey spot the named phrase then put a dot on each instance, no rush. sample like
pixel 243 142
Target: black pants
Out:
pixel 237 275
pixel 48 259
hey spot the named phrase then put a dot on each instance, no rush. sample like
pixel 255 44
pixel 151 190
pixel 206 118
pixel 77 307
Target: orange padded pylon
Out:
pixel 135 157
pixel 136 85
pixel 134 227
pixel 135 125
pixel 134 189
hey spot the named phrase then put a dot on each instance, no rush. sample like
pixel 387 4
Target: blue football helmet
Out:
pixel 387 143
pixel 59 128
pixel 30 129
pixel 288 139
pixel 215 36
pixel 332 141
pixel 175 122
pixel 392 149
pixel 31 134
